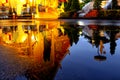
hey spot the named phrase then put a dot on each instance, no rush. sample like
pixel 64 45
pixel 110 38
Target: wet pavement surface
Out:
pixel 12 65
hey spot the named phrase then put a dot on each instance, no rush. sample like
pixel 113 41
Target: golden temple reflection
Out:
pixel 42 41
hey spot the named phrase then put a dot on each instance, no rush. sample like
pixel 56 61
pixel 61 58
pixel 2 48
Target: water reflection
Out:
pixel 99 35
pixel 49 42
pixel 46 42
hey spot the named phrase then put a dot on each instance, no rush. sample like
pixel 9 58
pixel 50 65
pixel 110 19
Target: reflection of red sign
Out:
pixel 92 26
pixel 62 0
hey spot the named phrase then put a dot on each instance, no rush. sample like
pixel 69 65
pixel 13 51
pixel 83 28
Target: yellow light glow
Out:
pixel 24 37
pixel 33 38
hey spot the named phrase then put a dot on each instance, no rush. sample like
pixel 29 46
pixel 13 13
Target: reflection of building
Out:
pixel 42 41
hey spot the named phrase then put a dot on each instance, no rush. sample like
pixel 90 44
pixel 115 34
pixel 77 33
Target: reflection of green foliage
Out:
pixel 112 43
pixel 111 31
pixel 96 38
pixel 73 33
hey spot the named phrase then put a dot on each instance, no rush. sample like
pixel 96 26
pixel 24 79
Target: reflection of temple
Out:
pixel 44 42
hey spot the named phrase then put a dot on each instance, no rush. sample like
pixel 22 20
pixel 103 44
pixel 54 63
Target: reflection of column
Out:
pixel 39 48
pixel 29 43
pixel 0 35
pixel 52 47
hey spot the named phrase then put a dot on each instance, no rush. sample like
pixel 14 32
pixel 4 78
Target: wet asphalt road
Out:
pixel 12 65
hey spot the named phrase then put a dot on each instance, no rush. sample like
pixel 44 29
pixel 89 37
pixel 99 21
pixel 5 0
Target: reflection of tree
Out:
pixel 96 38
pixel 111 31
pixel 112 41
pixel 73 33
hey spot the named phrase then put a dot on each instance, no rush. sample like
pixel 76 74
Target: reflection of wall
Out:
pixel 0 35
